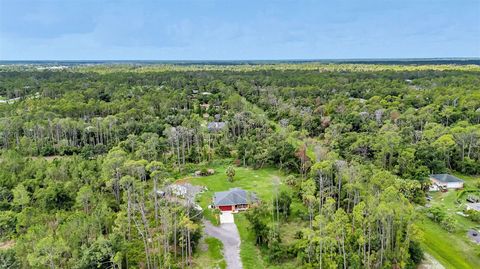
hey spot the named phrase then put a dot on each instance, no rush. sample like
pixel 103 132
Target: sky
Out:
pixel 237 30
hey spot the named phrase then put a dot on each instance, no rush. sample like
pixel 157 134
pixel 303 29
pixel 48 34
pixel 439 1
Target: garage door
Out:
pixel 226 208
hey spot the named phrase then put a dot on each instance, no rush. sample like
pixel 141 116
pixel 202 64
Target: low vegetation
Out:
pixel 212 256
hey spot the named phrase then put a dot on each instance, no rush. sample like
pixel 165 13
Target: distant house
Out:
pixel 445 181
pixel 234 200
pixel 473 206
pixel 216 126
pixel 185 190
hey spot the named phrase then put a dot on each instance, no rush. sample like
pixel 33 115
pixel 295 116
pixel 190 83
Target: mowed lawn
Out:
pixel 261 181
pixel 450 249
pixel 264 182
pixel 453 250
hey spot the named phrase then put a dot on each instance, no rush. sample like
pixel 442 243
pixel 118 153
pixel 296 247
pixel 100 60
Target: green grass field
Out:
pixel 453 250
pixel 449 249
pixel 261 181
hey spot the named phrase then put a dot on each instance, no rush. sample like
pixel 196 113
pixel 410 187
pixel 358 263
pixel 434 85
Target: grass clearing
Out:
pixel 261 181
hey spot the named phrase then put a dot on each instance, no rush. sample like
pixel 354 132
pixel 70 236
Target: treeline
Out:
pixel 411 124
pixel 92 118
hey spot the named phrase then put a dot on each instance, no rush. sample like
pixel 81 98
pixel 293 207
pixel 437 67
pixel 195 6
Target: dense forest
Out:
pixel 86 149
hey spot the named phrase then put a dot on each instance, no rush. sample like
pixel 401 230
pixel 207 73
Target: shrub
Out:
pixel 284 202
pixel 8 222
pixel 8 259
pixel 204 171
pixel 291 180
pixel 473 215
pixel 449 223
pixel 436 213
pixel 416 254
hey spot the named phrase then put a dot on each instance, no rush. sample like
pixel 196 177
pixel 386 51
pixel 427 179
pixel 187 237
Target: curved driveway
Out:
pixel 228 234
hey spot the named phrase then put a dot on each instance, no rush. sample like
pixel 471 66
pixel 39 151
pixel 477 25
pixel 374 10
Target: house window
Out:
pixel 243 206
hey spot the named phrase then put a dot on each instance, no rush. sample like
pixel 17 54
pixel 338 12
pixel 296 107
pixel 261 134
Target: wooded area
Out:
pixel 85 150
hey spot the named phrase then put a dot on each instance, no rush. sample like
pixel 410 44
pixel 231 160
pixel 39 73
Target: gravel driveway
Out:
pixel 228 234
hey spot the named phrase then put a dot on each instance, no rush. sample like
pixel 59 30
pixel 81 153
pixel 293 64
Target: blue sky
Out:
pixel 237 30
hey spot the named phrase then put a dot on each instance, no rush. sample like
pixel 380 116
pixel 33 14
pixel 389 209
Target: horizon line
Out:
pixel 250 60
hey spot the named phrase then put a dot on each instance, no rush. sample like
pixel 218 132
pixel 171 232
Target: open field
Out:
pixel 261 181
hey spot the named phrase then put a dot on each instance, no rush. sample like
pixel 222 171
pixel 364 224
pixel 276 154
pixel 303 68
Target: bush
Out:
pixel 298 234
pixel 8 222
pixel 204 171
pixel 473 215
pixel 8 259
pixel 449 224
pixel 470 166
pixel 438 215
pixel 291 180
pixel 416 254
pixel 230 172
pixel 190 168
pixel 276 253
pixel 258 225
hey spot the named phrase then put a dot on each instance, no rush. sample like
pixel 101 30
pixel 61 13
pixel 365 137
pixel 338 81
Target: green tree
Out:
pixel 85 198
pixel 49 252
pixel 230 172
pixel 284 202
pixel 21 197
